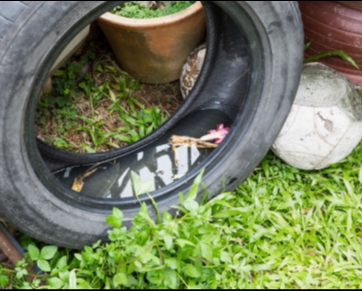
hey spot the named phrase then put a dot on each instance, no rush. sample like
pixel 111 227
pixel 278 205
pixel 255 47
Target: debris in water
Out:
pixel 78 181
pixel 177 140
pixel 218 135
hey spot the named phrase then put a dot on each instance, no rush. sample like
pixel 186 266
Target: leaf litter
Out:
pixel 95 106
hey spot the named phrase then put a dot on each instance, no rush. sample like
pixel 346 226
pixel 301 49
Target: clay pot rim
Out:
pixel 152 22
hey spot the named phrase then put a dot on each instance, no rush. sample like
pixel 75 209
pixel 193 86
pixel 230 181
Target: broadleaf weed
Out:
pixel 71 109
pixel 271 232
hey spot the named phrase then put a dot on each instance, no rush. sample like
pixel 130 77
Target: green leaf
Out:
pixel 181 198
pixel 120 279
pixel 64 276
pixel 21 273
pixel 88 250
pixel 170 278
pixel 171 262
pixel 99 68
pixel 117 213
pixel 87 148
pixel 191 195
pixel 78 257
pixel 117 234
pixel 145 187
pixel 183 242
pixel 131 281
pixel 140 187
pixel 112 69
pixel 191 271
pixel 72 280
pixel 168 240
pixel 206 251
pixel 33 252
pixel 62 263
pixel 191 205
pixel 43 265
pixel 231 213
pixel 348 187
pixel 113 97
pixel 155 277
pixel 97 244
pixel 121 137
pixel 4 280
pixel 115 219
pixel 336 53
pixel 48 252
pixel 83 284
pixel 307 44
pixel 55 283
pixel 136 181
pixel 225 257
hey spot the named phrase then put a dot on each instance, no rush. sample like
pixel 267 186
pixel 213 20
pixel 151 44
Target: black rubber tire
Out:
pixel 30 197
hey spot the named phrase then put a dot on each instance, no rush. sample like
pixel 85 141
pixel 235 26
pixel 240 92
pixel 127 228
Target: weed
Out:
pixel 335 53
pixel 282 228
pixel 87 112
pixel 136 9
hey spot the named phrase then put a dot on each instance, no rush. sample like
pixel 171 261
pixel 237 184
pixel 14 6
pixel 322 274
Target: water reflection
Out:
pixel 158 162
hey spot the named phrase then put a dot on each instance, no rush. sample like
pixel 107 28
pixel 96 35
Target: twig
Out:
pixel 177 140
pixel 78 181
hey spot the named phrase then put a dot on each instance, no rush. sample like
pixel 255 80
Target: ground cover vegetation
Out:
pixel 95 106
pixel 282 228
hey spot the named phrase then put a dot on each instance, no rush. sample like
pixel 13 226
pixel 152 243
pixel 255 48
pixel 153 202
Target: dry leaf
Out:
pixel 78 181
pixel 177 140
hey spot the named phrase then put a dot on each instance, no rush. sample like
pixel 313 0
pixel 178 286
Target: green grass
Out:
pixel 282 228
pixel 135 9
pixel 304 227
pixel 335 53
pixel 94 111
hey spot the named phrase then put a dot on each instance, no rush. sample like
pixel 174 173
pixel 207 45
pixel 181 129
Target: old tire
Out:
pixel 253 80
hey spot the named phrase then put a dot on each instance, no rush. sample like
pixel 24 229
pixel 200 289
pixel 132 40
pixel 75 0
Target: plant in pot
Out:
pixel 154 46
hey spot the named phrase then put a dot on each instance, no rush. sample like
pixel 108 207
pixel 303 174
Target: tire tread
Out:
pixel 9 13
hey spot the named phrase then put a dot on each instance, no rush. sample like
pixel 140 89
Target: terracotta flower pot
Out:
pixel 155 49
pixel 332 25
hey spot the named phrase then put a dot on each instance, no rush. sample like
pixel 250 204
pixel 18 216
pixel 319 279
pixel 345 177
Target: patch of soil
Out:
pixel 167 97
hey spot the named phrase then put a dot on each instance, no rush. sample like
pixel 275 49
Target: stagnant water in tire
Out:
pixel 158 162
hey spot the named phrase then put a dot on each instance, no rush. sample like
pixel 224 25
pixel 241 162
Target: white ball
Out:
pixel 325 122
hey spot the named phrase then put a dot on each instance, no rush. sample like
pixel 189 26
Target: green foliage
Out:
pixel 42 256
pixel 62 115
pixel 4 280
pixel 335 53
pixel 282 228
pixel 137 124
pixel 135 9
